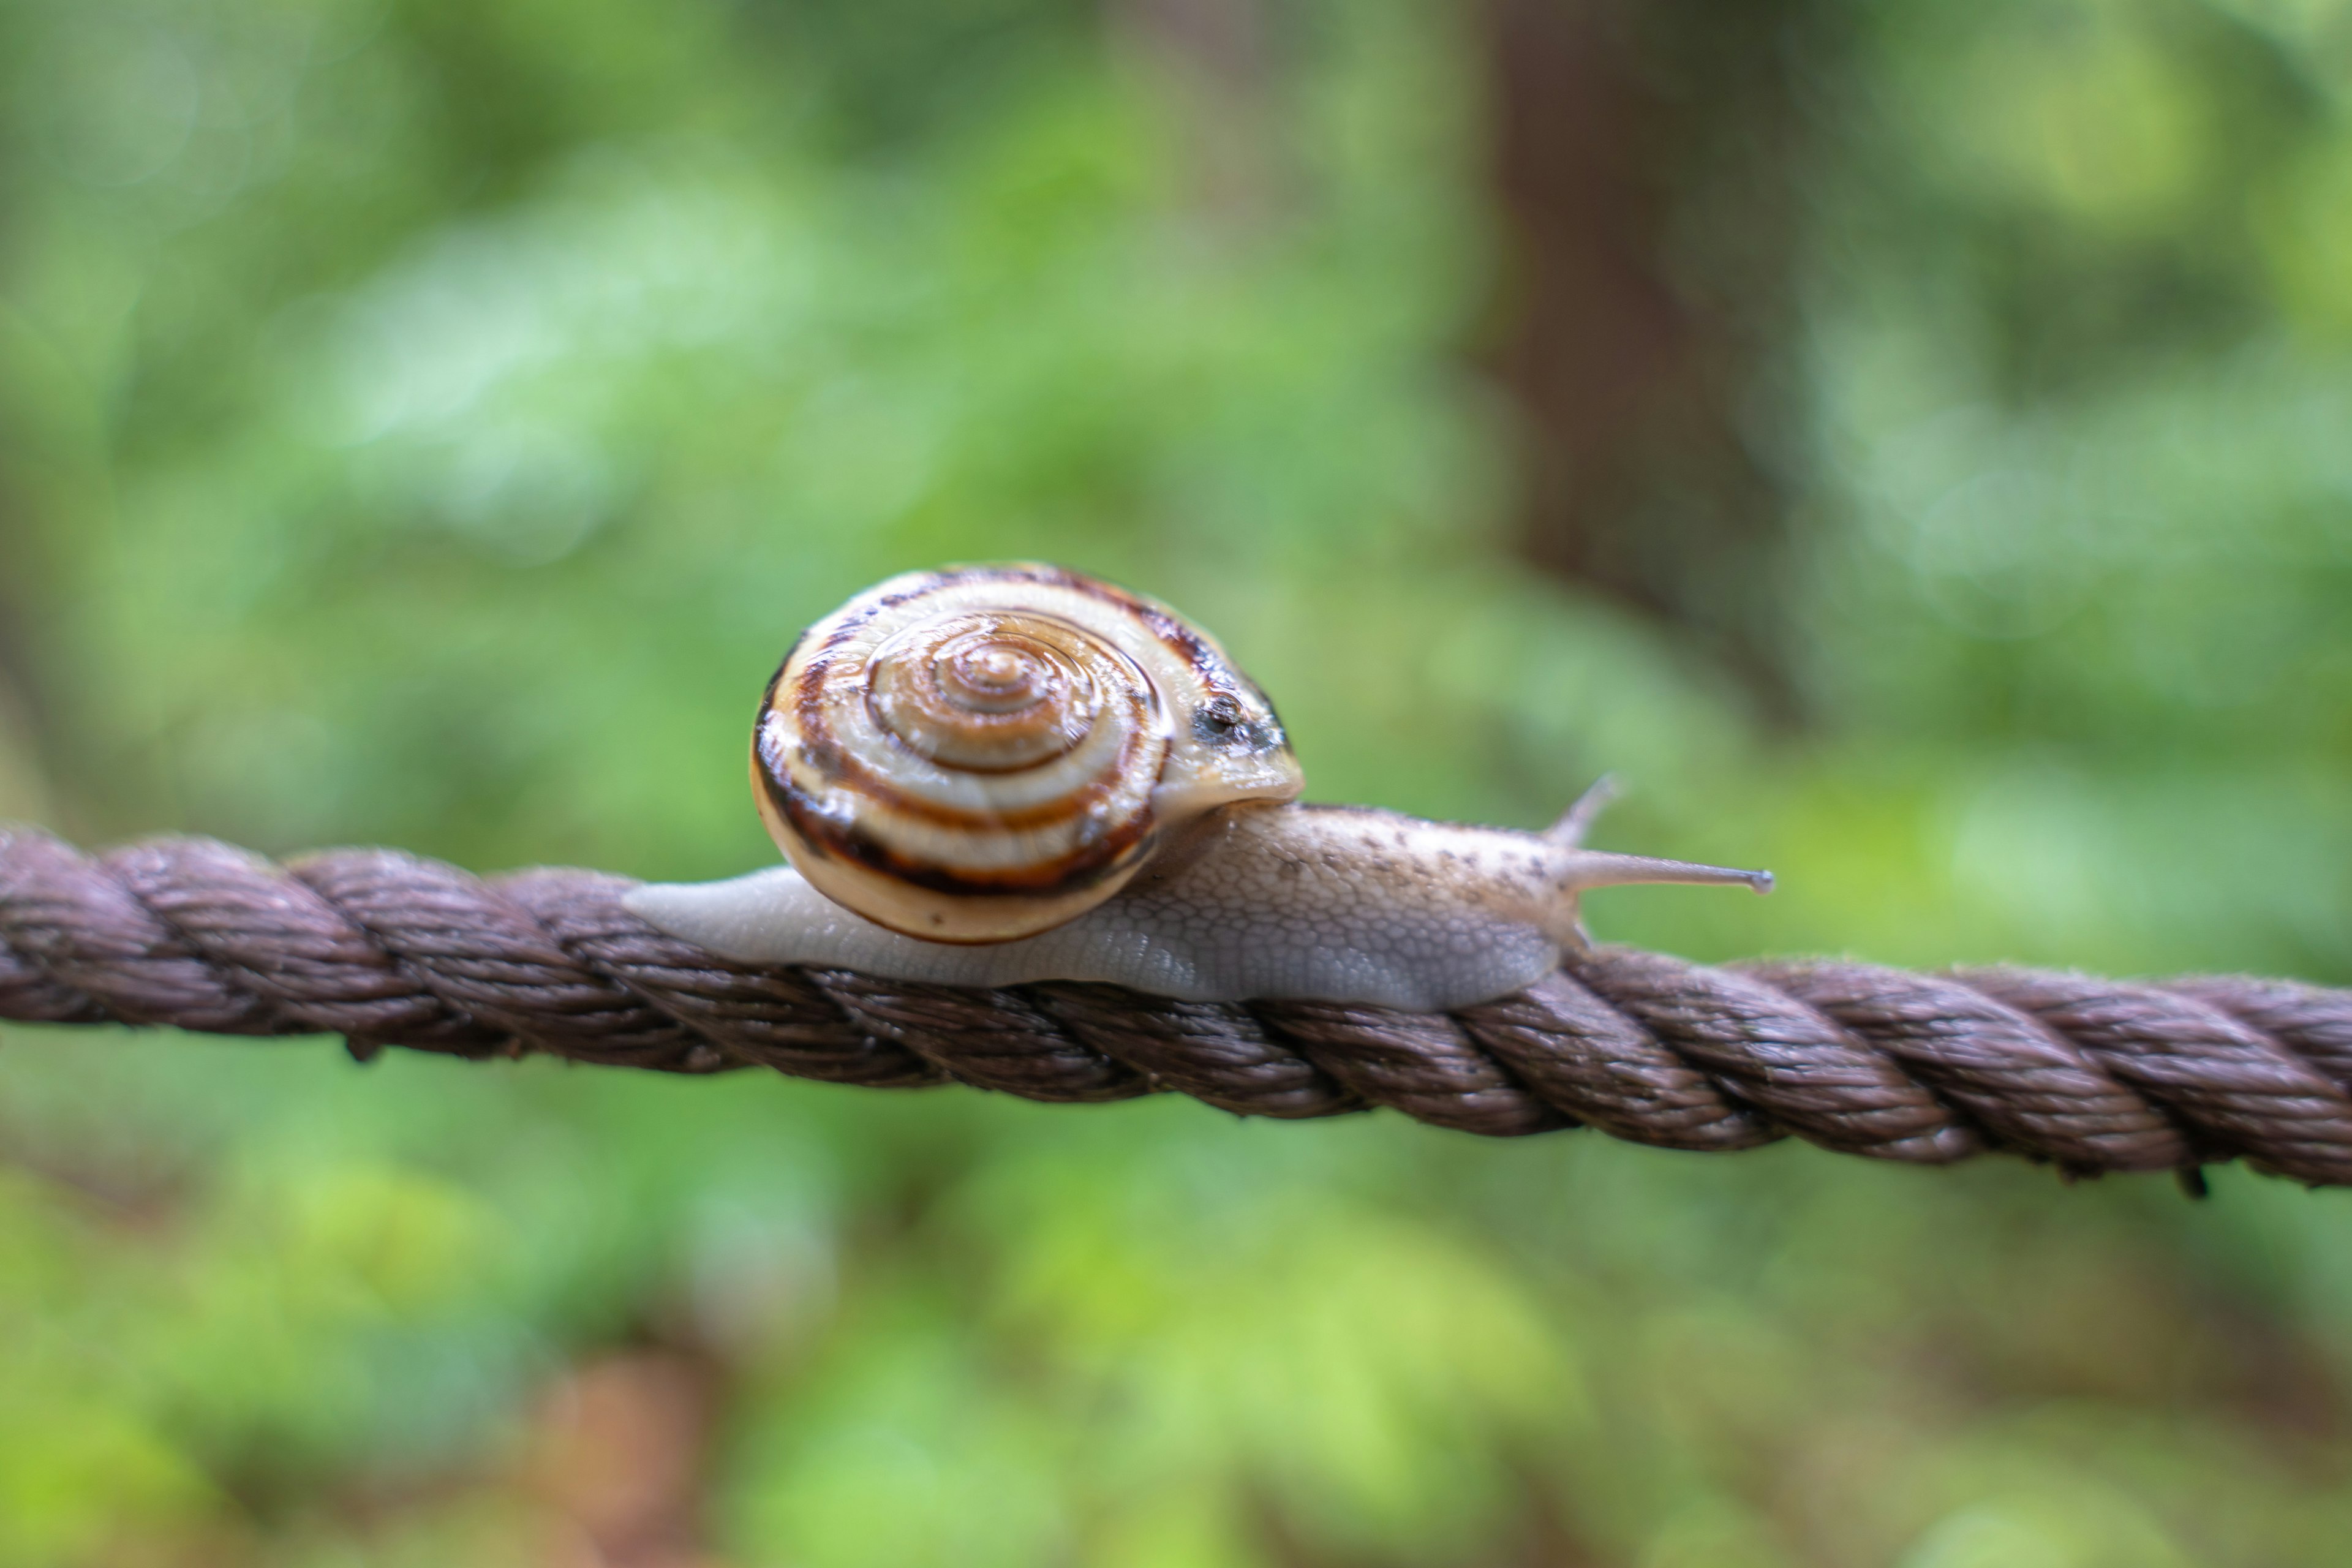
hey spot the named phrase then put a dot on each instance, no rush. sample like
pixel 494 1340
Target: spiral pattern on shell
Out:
pixel 985 752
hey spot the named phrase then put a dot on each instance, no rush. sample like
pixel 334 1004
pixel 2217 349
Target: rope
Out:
pixel 388 948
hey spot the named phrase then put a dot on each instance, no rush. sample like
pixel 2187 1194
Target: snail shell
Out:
pixel 997 775
pixel 985 752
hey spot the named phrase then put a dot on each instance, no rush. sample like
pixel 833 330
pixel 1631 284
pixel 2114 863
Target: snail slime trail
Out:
pixel 989 775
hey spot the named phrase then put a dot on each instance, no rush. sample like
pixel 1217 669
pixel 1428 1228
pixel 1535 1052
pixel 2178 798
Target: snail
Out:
pixel 989 775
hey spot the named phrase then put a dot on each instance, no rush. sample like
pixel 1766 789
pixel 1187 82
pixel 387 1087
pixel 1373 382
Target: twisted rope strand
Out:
pixel 388 948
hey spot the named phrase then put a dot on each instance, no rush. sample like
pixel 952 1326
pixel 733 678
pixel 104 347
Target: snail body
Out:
pixel 973 789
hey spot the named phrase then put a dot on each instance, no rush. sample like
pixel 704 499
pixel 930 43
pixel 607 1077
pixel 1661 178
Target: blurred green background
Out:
pixel 1912 444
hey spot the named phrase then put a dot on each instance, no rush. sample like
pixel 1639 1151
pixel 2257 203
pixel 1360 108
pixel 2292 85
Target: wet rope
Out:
pixel 389 949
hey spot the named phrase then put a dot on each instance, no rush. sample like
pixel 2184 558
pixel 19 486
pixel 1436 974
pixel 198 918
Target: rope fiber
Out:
pixel 390 948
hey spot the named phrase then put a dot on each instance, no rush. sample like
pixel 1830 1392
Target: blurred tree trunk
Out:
pixel 620 1460
pixel 20 693
pixel 1651 164
pixel 27 742
pixel 28 748
pixel 1216 65
pixel 26 716
pixel 31 748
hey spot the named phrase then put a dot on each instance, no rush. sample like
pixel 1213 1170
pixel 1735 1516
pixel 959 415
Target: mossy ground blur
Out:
pixel 426 422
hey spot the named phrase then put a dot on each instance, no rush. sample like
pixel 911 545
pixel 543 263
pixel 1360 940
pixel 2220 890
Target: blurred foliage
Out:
pixel 426 422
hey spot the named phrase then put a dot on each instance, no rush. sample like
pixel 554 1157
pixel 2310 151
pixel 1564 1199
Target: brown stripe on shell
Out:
pixel 1072 873
pixel 871 687
pixel 1184 640
pixel 838 765
pixel 839 768
pixel 842 769
pixel 1188 644
pixel 1165 624
pixel 768 692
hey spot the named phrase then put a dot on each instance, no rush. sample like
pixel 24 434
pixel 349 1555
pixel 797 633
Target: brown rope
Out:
pixel 386 949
